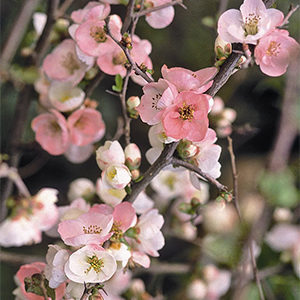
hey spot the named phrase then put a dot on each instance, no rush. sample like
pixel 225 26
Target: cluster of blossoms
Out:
pixel 256 25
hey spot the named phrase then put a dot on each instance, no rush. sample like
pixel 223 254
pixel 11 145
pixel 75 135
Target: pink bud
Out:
pixel 132 156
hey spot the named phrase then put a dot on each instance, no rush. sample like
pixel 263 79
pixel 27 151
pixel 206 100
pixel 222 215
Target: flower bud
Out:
pixel 110 153
pixel 81 188
pixel 132 103
pixel 135 174
pixel 282 214
pixel 222 48
pixel 196 289
pixel 187 149
pixel 117 175
pixel 137 286
pixel 132 156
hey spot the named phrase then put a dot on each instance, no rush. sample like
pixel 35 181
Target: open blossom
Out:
pixel 110 153
pixel 142 203
pixel 51 132
pixel 187 117
pixel 27 271
pixel 275 52
pixel 187 80
pixel 89 228
pixel 64 97
pixel 63 64
pixel 150 238
pixel 86 126
pixel 80 188
pixel 79 154
pixel 117 175
pixel 90 264
pixel 54 271
pixel 157 97
pixel 250 23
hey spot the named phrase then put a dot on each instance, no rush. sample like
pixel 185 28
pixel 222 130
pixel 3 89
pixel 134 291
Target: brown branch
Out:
pixel 19 259
pixel 16 35
pixel 134 66
pixel 93 84
pixel 156 8
pixel 178 162
pixel 129 16
pixel 290 13
pixel 63 8
pixel 136 19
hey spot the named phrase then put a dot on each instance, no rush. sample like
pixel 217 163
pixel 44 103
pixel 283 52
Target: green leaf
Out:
pixel 128 189
pixel 49 290
pixel 33 284
pixel 279 188
pixel 119 84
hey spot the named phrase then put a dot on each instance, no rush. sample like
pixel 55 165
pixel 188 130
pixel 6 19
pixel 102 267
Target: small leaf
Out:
pixel 128 189
pixel 119 81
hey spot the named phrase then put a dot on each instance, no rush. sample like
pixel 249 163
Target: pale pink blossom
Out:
pixel 108 194
pixel 89 228
pixel 91 37
pixel 85 125
pixel 93 9
pixel 54 271
pixel 141 259
pixel 197 289
pixel 132 156
pixel 157 97
pixel 39 22
pixel 275 52
pixel 142 203
pixel 51 132
pixel 90 264
pixel 118 284
pixel 209 154
pixel 117 175
pixel 250 23
pixel 64 97
pixel 110 153
pixel 79 154
pixel 160 18
pixel 42 85
pixel 27 271
pixel 150 238
pixel 63 64
pixel 187 117
pixel 186 80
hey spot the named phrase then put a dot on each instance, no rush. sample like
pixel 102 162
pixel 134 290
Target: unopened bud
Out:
pixel 132 156
pixel 222 48
pixel 196 290
pixel 96 296
pixel 137 286
pixel 126 41
pixel 81 188
pixel 135 174
pixel 282 214
pixel 132 103
pixel 62 25
pixel 187 149
pixel 26 51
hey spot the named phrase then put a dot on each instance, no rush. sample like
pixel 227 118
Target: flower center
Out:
pixel 186 112
pixel 55 128
pixel 95 263
pixel 251 24
pixel 273 49
pixel 155 100
pixel 98 34
pixel 119 59
pixel 170 182
pixel 92 229
pixel 69 62
pixel 118 233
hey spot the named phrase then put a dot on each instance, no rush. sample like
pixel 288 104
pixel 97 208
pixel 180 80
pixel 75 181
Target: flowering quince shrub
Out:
pixel 113 225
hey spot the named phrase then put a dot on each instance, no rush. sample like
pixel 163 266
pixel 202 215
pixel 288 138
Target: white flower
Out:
pixel 54 271
pixel 142 203
pixel 120 252
pixel 74 290
pixel 196 290
pixel 117 175
pixel 80 188
pixel 39 22
pixel 110 153
pixel 90 264
pixel 64 97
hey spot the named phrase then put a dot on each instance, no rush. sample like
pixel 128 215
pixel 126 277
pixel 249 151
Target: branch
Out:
pixel 136 19
pixel 16 35
pixel 93 84
pixel 128 17
pixel 134 66
pixel 63 8
pixel 291 11
pixel 178 162
pixel 164 160
pixel 156 8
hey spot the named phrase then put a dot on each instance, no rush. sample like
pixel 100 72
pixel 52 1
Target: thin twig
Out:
pixel 16 35
pixel 291 11
pixel 63 8
pixel 120 129
pixel 135 67
pixel 222 7
pixel 93 84
pixel 136 19
pixel 128 17
pixel 156 8
pixel 127 120
pixel 178 162
pixel 234 177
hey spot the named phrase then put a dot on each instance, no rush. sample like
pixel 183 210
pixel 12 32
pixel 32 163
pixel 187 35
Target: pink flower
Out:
pixel 186 80
pixel 79 154
pixel 161 18
pixel 275 51
pixel 157 97
pixel 51 132
pixel 27 271
pixel 63 64
pixel 85 126
pixel 209 154
pixel 187 117
pixel 92 10
pixel 91 38
pixel 89 228
pixel 250 23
